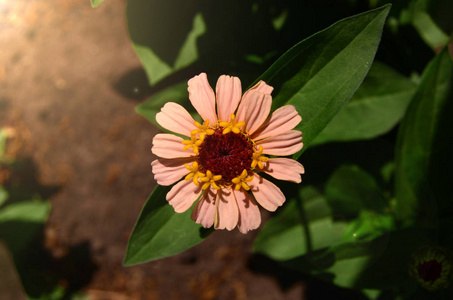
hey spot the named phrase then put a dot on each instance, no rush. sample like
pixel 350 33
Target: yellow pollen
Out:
pixel 232 125
pixel 194 173
pixel 258 159
pixel 209 180
pixel 193 143
pixel 241 181
pixel 203 130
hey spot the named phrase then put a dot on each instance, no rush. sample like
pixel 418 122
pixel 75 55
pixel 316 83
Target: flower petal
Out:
pixel 267 194
pixel 168 171
pixel 204 211
pixel 261 87
pixel 202 97
pixel 283 119
pixel 254 110
pixel 249 213
pixel 169 146
pixel 183 195
pixel 284 169
pixel 285 144
pixel 175 118
pixel 227 213
pixel 228 94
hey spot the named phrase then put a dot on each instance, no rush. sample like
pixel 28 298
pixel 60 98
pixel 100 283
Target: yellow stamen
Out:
pixel 194 173
pixel 209 180
pixel 232 125
pixel 203 130
pixel 193 143
pixel 258 159
pixel 241 181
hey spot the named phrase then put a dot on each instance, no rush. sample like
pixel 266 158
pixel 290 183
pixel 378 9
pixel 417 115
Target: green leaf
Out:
pixel 304 224
pixel 368 226
pixel 26 211
pixel 3 139
pixel 377 106
pixel 381 263
pixel 96 3
pixel 19 222
pixel 320 74
pixel 441 11
pixel 350 190
pixel 3 195
pixel 176 93
pixel 164 35
pixel 160 232
pixel 420 142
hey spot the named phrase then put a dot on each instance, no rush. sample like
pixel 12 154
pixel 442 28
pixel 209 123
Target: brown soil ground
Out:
pixel 70 81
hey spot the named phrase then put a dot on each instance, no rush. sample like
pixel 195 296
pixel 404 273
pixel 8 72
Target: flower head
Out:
pixel 432 267
pixel 221 158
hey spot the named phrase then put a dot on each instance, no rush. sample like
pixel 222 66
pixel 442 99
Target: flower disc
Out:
pixel 225 154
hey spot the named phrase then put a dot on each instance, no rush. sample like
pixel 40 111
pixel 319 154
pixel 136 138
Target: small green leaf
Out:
pixel 3 138
pixel 96 3
pixel 160 232
pixel 304 224
pixel 441 12
pixel 417 146
pixel 26 211
pixel 320 74
pixel 350 190
pixel 164 35
pixel 376 107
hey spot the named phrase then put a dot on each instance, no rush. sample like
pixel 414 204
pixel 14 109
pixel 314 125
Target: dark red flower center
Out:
pixel 225 154
pixel 430 270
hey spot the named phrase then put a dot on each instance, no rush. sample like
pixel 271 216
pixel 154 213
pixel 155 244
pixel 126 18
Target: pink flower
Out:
pixel 222 157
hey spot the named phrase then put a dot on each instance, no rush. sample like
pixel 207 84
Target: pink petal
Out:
pixel 261 87
pixel 168 171
pixel 183 195
pixel 285 144
pixel 204 211
pixel 254 110
pixel 284 169
pixel 249 213
pixel 169 146
pixel 227 212
pixel 202 97
pixel 228 93
pixel 267 194
pixel 175 118
pixel 283 119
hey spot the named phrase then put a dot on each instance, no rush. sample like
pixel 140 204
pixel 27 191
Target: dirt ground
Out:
pixel 70 81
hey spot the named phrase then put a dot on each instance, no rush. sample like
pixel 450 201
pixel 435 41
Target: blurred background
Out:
pixel 70 80
pixel 75 156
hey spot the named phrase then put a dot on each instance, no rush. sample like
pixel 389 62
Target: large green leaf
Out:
pixel 19 222
pixel 350 190
pixel 381 263
pixel 320 74
pixel 377 106
pixel 421 140
pixel 160 232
